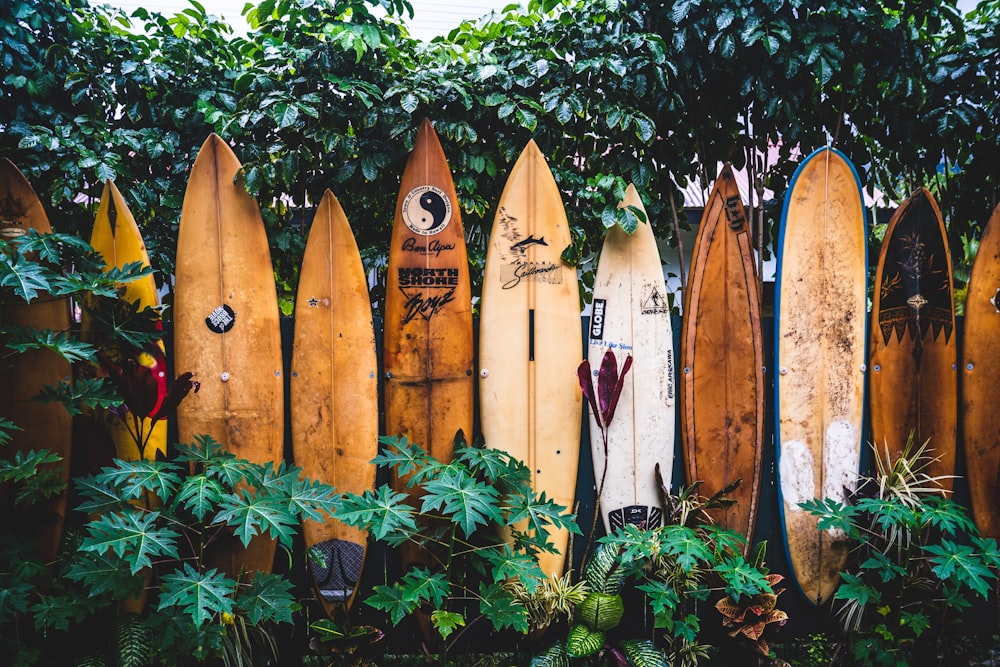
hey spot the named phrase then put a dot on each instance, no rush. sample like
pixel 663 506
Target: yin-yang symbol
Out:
pixel 426 210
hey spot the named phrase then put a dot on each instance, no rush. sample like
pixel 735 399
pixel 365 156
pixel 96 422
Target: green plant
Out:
pixel 461 507
pixel 678 567
pixel 918 561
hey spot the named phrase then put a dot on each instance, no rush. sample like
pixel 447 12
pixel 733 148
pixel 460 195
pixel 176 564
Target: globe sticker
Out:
pixel 426 210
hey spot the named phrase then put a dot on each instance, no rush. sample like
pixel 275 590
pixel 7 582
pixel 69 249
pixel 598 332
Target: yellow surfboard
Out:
pixel 530 339
pixel 334 393
pixel 226 328
pixel 116 236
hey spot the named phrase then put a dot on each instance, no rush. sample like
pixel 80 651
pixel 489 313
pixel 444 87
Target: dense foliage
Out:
pixel 326 93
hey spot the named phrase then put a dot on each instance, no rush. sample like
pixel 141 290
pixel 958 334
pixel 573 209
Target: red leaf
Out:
pixel 179 388
pixel 583 372
pixel 607 378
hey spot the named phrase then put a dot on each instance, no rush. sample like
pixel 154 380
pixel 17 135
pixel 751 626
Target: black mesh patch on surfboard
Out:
pixel 639 515
pixel 336 568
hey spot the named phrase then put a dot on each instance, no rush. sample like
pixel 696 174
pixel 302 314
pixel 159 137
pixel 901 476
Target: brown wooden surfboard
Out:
pixel 980 370
pixel 23 375
pixel 427 357
pixel 334 393
pixel 226 327
pixel 722 360
pixel 913 356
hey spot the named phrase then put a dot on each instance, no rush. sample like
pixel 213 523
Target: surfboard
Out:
pixel 116 236
pixel 22 376
pixel 820 346
pixel 530 338
pixel 631 316
pixel 427 337
pixel 226 329
pixel 912 351
pixel 980 369
pixel 334 394
pixel 722 360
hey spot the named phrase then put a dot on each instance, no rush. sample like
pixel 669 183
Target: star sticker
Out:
pixel 996 300
pixel 313 302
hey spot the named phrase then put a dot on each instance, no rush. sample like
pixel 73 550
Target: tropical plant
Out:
pixel 678 568
pixel 456 516
pixel 917 563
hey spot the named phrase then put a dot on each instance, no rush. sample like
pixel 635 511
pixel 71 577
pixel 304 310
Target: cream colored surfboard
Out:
pixel 226 328
pixel 631 316
pixel 820 346
pixel 334 393
pixel 530 338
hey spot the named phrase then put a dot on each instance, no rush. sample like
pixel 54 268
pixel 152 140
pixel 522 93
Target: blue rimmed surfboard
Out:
pixel 820 348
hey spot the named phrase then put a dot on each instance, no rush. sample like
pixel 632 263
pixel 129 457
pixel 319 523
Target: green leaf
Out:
pixel 554 656
pixel 199 494
pixel 445 622
pixel 600 611
pixel 286 114
pixel 83 393
pixel 383 512
pixel 131 534
pixel 962 564
pixel 268 598
pixel 644 653
pixel 539 512
pixel 22 339
pixel 463 499
pixel 500 606
pixel 57 612
pixel 686 546
pixel 409 593
pixel 253 514
pixel 101 496
pixel 582 641
pixel 105 575
pixel 506 564
pixel 197 594
pixel 409 102
pixel 311 500
pixel 25 465
pixel 135 478
pixel 855 589
pixel 25 277
pixel 403 456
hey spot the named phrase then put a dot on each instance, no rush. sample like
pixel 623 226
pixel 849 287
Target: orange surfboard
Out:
pixel 912 353
pixel 334 393
pixel 226 328
pixel 980 369
pixel 23 375
pixel 722 360
pixel 427 342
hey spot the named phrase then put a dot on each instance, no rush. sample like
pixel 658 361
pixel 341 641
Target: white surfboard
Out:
pixel 631 316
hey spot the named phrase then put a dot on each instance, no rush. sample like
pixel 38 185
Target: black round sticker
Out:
pixel 221 319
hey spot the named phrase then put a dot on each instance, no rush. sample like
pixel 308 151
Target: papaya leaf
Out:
pixel 502 608
pixel 404 457
pixel 134 478
pixel 133 535
pixel 446 622
pixel 200 595
pixel 199 494
pixel 24 277
pixel 267 598
pixel 254 514
pixel 23 339
pixel 383 512
pixel 465 500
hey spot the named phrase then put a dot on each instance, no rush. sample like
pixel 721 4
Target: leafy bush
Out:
pixel 918 561
pixel 457 514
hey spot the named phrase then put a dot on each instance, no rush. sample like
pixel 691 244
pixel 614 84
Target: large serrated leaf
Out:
pixel 201 595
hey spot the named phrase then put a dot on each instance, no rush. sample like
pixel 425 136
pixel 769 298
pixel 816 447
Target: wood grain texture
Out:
pixel 722 360
pixel 117 237
pixel 631 316
pixel 334 393
pixel 226 328
pixel 427 341
pixel 23 375
pixel 530 341
pixel 820 317
pixel 912 350
pixel 980 369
